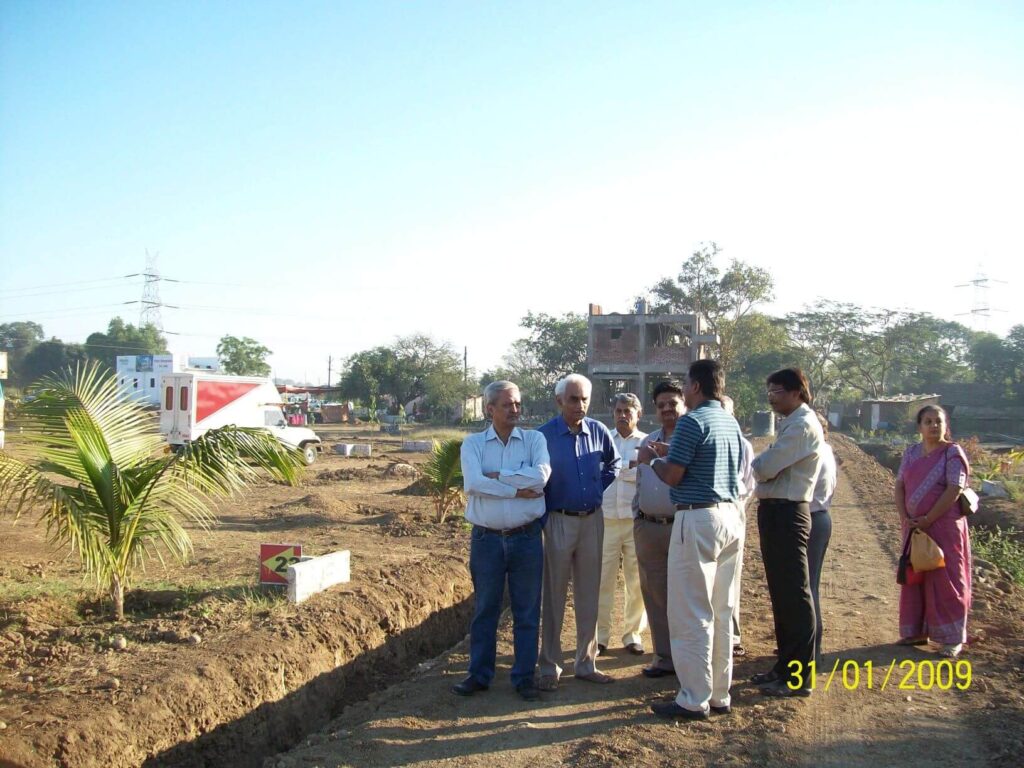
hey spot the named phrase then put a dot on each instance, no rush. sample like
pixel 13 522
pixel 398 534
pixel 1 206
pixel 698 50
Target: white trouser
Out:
pixel 701 565
pixel 618 544
pixel 737 577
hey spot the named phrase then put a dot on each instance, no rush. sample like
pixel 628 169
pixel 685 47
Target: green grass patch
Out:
pixel 1001 548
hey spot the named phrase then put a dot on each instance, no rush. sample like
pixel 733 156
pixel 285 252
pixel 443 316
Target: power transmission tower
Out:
pixel 981 308
pixel 150 312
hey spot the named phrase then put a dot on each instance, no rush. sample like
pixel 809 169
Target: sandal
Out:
pixel 951 650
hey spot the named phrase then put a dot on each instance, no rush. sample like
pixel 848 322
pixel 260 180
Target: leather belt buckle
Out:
pixel 666 520
pixel 575 513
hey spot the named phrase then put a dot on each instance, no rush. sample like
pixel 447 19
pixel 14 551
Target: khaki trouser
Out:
pixel 701 565
pixel 652 542
pixel 572 551
pixel 618 545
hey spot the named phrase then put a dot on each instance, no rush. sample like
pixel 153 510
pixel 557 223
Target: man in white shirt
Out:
pixel 504 471
pixel 746 491
pixel 618 534
pixel 786 475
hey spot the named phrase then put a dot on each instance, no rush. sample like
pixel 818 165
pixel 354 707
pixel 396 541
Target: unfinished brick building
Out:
pixel 630 353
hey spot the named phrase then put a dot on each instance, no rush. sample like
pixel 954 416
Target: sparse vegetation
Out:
pixel 1001 548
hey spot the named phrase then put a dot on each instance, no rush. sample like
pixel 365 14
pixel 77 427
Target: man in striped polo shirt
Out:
pixel 702 467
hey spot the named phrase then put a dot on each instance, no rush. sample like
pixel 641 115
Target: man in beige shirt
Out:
pixel 786 474
pixel 618 534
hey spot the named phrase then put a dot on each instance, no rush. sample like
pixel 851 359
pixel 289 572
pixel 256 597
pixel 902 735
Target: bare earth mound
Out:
pixel 215 672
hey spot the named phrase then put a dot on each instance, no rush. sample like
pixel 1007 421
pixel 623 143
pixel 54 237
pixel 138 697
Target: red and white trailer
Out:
pixel 193 402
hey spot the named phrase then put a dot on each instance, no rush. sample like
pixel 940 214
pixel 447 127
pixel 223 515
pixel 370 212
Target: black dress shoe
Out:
pixel 780 689
pixel 468 687
pixel 656 672
pixel 726 710
pixel 636 649
pixel 670 709
pixel 528 691
pixel 602 650
pixel 763 678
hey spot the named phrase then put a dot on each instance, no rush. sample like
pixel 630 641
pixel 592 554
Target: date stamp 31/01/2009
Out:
pixel 906 675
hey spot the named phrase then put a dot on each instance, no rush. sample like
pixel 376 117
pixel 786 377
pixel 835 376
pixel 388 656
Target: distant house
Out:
pixel 895 412
pixel 631 352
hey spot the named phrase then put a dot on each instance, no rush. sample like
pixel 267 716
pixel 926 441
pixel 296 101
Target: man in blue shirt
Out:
pixel 702 468
pixel 583 463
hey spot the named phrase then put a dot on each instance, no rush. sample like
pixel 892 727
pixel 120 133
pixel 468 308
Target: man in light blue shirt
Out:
pixel 504 471
pixel 584 462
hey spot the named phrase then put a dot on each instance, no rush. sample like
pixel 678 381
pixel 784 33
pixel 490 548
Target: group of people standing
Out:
pixel 572 500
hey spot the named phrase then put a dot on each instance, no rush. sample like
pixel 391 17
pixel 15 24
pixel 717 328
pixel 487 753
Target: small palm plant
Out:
pixel 442 475
pixel 110 487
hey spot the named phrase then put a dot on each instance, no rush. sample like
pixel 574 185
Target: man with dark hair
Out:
pixel 653 516
pixel 786 475
pixel 702 467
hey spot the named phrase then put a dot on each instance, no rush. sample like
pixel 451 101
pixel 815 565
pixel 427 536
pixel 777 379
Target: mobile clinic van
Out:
pixel 193 402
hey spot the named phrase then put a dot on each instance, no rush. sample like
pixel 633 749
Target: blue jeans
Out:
pixel 492 558
pixel 817 544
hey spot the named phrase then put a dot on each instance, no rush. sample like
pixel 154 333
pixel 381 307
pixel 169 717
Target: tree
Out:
pixel 51 356
pixel 759 342
pixel 414 366
pixel 18 340
pixel 118 493
pixel 723 300
pixel 124 338
pixel 243 357
pixel 994 361
pixel 556 345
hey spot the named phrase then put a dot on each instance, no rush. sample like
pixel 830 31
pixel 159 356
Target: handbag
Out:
pixel 925 554
pixel 905 573
pixel 968 500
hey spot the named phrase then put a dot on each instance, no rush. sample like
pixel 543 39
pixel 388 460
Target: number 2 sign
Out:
pixel 274 562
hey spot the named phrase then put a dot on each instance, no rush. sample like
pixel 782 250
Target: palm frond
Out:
pixel 121 496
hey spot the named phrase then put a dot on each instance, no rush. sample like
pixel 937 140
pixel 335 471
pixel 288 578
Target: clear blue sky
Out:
pixel 325 176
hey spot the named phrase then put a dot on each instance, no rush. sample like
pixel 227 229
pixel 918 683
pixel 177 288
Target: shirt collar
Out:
pixel 801 412
pixel 564 427
pixel 490 434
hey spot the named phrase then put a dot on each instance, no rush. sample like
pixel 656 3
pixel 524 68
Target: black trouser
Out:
pixel 785 527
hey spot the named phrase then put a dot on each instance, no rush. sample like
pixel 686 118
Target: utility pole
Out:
pixel 329 361
pixel 465 366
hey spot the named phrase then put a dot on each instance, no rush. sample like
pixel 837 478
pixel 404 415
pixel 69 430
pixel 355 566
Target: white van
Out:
pixel 194 402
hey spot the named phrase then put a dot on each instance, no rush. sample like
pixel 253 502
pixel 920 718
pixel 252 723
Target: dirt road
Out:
pixel 852 723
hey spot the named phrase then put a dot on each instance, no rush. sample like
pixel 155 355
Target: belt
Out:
pixel 665 520
pixel 704 505
pixel 506 531
pixel 576 513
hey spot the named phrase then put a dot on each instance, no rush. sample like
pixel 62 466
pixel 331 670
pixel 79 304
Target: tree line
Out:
pixel 31 356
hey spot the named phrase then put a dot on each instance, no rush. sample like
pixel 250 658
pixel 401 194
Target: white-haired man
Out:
pixel 617 507
pixel 584 463
pixel 505 469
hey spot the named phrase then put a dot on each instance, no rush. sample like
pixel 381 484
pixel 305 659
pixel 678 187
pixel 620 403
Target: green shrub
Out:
pixel 1001 548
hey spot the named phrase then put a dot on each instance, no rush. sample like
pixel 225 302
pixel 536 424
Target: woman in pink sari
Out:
pixel 931 477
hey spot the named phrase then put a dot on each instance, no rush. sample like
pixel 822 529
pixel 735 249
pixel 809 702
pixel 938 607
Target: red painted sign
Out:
pixel 274 562
pixel 211 396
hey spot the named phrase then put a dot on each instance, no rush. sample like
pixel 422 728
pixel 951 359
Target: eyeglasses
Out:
pixel 772 392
